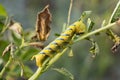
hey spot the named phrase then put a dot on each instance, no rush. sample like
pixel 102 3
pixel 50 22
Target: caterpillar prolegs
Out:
pixel 60 43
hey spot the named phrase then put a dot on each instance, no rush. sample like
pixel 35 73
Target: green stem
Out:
pixel 69 12
pixel 118 4
pixel 36 74
pixel 40 70
pixel 5 67
pixel 10 59
pixel 95 31
pixel 57 56
pixel 5 27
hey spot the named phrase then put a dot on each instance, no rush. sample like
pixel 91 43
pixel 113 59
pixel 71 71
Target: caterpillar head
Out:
pixel 80 27
pixel 39 59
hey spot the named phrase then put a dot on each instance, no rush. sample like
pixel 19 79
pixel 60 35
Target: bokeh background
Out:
pixel 105 66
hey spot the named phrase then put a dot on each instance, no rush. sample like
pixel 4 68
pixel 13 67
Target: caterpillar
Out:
pixel 60 43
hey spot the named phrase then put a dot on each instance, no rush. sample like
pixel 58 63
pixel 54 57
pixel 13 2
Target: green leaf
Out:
pixel 1 25
pixel 64 72
pixel 16 38
pixel 94 48
pixel 90 25
pixel 28 53
pixel 2 11
pixel 3 15
pixel 27 71
pixel 57 34
pixel 71 53
pixel 64 27
pixel 116 13
pixel 103 23
pixel 84 15
pixel 114 17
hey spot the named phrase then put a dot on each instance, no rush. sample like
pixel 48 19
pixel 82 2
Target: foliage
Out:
pixel 20 46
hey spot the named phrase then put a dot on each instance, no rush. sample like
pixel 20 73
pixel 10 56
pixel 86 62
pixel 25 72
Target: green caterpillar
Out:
pixel 60 43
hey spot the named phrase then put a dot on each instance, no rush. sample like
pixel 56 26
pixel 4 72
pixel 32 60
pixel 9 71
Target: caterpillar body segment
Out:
pixel 60 43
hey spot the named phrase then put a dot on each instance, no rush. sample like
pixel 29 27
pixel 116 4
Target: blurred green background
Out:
pixel 105 66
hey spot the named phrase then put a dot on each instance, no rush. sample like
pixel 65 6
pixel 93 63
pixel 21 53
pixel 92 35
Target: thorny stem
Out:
pixel 39 71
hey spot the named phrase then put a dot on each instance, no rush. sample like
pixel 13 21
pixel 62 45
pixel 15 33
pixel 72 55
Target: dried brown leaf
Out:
pixel 117 43
pixel 43 24
pixel 115 47
pixel 118 22
pixel 37 44
pixel 15 27
pixel 7 49
pixel 11 22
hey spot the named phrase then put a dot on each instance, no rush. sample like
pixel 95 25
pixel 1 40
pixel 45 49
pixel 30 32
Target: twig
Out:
pixel 5 67
pixel 69 12
pixel 5 27
pixel 95 31
pixel 118 4
pixel 54 59
pixel 40 70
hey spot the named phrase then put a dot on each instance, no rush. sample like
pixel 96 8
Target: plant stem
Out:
pixel 5 67
pixel 5 27
pixel 11 58
pixel 57 56
pixel 40 70
pixel 118 4
pixel 69 12
pixel 95 31
pixel 36 74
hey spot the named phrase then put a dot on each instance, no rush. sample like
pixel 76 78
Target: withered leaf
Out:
pixel 118 22
pixel 37 44
pixel 43 24
pixel 115 47
pixel 115 38
pixel 7 49
pixel 116 41
pixel 15 27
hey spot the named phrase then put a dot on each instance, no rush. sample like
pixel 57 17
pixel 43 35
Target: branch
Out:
pixel 69 12
pixel 5 67
pixel 95 31
pixel 40 70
